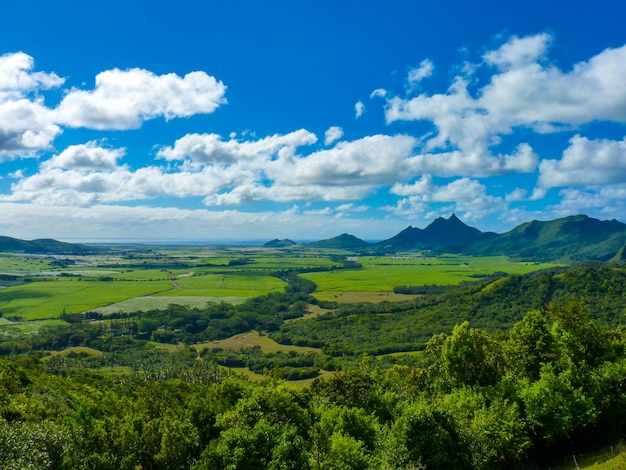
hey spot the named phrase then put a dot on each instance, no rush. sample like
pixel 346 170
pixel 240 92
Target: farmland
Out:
pixel 169 334
pixel 37 287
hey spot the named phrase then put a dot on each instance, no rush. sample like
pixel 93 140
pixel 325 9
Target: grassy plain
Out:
pixel 238 284
pixel 47 299
pixel 382 274
pixel 249 340
pixel 153 302
pixel 154 278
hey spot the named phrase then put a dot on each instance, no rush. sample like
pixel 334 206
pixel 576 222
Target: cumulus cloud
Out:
pixel 89 156
pixel 518 52
pixel 475 163
pixel 463 195
pixel 26 124
pixel 332 135
pixel 221 172
pixel 524 91
pixel 123 99
pixel 16 75
pixel 211 149
pixel 586 163
pixel 372 160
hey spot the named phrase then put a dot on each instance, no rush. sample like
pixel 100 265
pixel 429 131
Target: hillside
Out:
pixel 276 243
pixel 342 242
pixel 573 238
pixel 45 245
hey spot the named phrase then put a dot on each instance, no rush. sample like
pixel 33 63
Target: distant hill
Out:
pixel 574 238
pixel 276 243
pixel 342 242
pixel 45 245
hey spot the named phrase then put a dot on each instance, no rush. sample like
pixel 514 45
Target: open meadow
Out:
pixel 380 274
pixel 37 287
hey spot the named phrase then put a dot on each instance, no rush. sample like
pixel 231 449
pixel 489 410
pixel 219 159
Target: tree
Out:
pixel 470 357
pixel 530 345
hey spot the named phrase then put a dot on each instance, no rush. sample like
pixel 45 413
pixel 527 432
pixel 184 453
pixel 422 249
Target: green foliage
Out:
pixel 479 395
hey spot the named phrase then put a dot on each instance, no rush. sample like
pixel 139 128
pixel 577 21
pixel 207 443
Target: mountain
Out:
pixel 444 235
pixel 276 243
pixel 45 245
pixel 342 242
pixel 573 238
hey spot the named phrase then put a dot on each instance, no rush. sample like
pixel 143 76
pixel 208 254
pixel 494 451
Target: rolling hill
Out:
pixel 40 246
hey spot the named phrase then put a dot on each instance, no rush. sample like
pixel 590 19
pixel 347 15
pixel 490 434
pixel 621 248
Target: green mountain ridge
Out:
pixel 573 238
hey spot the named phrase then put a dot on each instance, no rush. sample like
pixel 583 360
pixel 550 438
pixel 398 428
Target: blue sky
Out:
pixel 239 120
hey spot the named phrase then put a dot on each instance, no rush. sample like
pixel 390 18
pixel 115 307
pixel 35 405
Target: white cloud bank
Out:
pixel 479 130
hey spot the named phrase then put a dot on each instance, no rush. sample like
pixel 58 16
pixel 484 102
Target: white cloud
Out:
pixel 372 160
pixel 524 91
pixel 378 92
pixel 467 197
pixel 123 99
pixel 417 74
pixel 586 163
pixel 211 149
pixel 16 76
pixel 475 163
pixel 422 186
pixel 222 173
pixel 89 156
pixel 518 52
pixel 26 125
pixel 120 100
pixel 325 211
pixel 518 194
pixel 359 109
pixel 332 135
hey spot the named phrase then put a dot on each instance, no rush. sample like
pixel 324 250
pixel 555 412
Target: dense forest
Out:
pixel 553 386
pixel 514 372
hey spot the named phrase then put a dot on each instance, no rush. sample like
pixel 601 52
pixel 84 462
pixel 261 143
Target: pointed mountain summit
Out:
pixel 443 235
pixel 451 235
pixel 408 239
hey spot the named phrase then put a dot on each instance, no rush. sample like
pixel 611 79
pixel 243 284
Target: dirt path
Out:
pixel 239 339
pixel 174 283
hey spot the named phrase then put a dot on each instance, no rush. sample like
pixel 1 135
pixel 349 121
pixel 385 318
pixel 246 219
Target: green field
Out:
pixel 382 274
pixel 155 279
pixel 47 299
pixel 241 284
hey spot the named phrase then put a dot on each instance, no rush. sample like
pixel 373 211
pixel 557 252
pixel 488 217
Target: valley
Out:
pixel 508 361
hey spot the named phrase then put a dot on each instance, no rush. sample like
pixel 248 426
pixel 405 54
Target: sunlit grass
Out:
pixel 382 274
pixel 251 339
